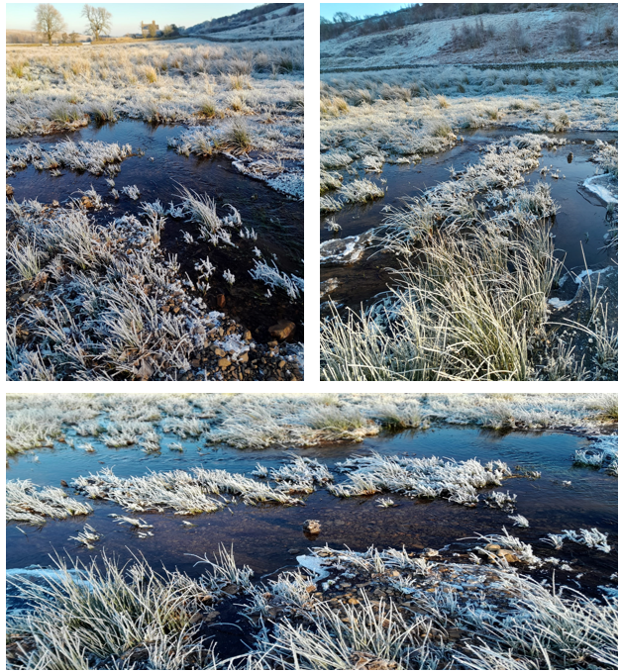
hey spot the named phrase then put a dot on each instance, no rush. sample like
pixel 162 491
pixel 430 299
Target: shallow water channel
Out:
pixel 268 537
pixel 159 172
pixel 580 220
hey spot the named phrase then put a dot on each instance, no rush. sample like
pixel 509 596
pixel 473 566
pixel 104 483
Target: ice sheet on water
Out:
pixel 314 564
pixel 38 575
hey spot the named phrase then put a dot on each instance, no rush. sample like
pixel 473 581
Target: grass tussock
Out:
pixel 470 299
pixel 240 137
pixel 447 324
pixel 208 109
pixel 25 503
pixel 516 622
pixel 90 616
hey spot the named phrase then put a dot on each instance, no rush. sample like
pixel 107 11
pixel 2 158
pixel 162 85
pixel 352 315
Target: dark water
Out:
pixel 276 218
pixel 581 219
pixel 263 536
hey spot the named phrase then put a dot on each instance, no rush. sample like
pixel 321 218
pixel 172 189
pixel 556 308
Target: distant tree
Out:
pixel 171 30
pixel 99 20
pixel 64 38
pixel 48 21
pixel 152 30
pixel 343 17
pixel 74 37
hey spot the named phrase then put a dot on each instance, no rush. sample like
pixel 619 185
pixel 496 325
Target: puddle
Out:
pixel 581 218
pixel 277 219
pixel 268 537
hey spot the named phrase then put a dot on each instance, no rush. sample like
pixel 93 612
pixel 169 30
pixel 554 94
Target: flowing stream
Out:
pixel 267 537
pixel 159 172
pixel 581 220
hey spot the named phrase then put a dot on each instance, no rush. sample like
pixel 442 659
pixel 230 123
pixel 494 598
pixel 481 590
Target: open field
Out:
pixel 305 533
pixel 160 278
pixel 474 258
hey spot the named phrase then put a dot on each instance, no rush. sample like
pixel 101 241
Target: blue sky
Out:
pixel 126 17
pixel 359 9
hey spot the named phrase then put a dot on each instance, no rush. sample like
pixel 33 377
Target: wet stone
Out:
pixel 312 527
pixel 282 330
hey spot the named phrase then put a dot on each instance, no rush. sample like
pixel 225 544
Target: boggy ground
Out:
pixel 441 601
pixel 370 121
pixel 179 286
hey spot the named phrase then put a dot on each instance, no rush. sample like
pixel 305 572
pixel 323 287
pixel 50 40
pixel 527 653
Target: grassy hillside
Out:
pixel 556 34
pixel 273 20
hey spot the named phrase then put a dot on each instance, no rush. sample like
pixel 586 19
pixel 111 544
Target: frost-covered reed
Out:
pixel 606 157
pixel 94 157
pixel 418 477
pixel 197 491
pixel 223 572
pixel 520 521
pixel 521 550
pixel 500 500
pixel 273 277
pixel 27 503
pixel 87 537
pixel 592 538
